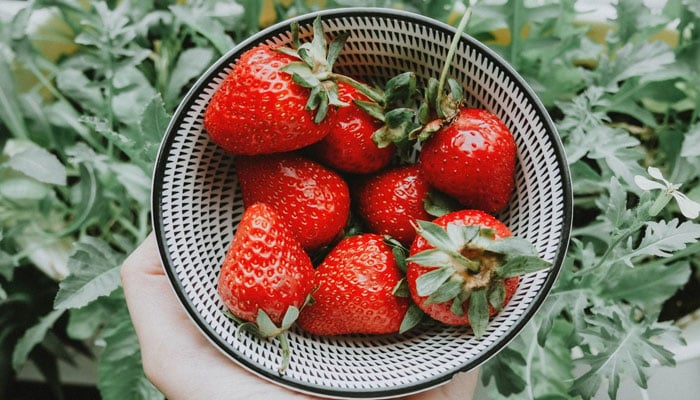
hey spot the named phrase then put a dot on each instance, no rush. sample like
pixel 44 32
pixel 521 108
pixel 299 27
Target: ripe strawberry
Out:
pixel 259 109
pixel 465 266
pixel 266 104
pixel 391 201
pixel 472 158
pixel 354 295
pixel 349 146
pixel 312 201
pixel 265 269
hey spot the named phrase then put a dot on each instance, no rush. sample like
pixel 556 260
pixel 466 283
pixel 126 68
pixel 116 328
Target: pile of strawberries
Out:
pixel 341 233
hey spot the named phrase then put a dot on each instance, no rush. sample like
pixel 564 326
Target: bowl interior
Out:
pixel 197 206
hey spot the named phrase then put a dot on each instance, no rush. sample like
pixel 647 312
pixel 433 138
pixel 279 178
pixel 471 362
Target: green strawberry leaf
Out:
pixel 431 258
pixel 374 110
pixel 512 246
pixel 401 289
pixel 266 327
pixel 497 294
pixel 446 292
pixel 521 265
pixel 431 281
pixel 400 90
pixel 289 317
pixel 457 306
pixel 478 312
pixel 437 236
pixel 414 315
pixel 336 47
pixel 438 204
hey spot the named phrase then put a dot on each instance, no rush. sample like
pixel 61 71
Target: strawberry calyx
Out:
pixel 394 106
pixel 314 68
pixel 264 327
pixel 441 107
pixel 470 264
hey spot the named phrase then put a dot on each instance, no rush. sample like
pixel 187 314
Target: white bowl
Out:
pixel 197 206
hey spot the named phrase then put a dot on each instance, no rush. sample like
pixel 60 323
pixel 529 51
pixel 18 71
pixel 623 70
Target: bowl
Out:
pixel 197 206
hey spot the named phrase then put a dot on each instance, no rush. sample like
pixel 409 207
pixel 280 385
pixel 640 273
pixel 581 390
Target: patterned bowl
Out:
pixel 197 206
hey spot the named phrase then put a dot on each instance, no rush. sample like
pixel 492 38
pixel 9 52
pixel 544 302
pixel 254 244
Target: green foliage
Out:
pixel 79 132
pixel 600 325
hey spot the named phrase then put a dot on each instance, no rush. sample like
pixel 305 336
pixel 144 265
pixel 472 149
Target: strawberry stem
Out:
pixel 284 345
pixel 450 56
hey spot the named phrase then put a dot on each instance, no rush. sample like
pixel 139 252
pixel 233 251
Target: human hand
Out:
pixel 183 364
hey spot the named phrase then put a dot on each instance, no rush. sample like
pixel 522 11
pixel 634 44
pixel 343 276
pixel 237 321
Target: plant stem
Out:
pixel 451 53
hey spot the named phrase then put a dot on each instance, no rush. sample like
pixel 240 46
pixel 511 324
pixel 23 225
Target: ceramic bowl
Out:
pixel 197 205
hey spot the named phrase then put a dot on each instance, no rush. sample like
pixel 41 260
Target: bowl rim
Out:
pixel 306 19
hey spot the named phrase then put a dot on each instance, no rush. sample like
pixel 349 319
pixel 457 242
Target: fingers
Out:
pixel 176 356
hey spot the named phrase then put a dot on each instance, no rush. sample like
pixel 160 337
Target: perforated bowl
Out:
pixel 197 206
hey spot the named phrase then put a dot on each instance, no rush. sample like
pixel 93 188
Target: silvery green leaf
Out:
pixel 691 142
pixel 189 65
pixel 94 272
pixel 38 163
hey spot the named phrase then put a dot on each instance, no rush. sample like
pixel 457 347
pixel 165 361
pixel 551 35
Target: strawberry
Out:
pixel 472 159
pixel 266 103
pixel 312 201
pixel 349 146
pixel 391 201
pixel 355 285
pixel 266 277
pixel 464 267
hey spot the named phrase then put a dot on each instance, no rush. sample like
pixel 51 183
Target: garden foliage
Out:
pixel 85 100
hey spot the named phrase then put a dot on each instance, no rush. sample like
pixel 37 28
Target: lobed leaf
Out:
pixel 94 272
pixel 661 239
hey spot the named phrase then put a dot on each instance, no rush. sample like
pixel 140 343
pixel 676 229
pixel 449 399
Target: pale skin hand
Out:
pixel 180 361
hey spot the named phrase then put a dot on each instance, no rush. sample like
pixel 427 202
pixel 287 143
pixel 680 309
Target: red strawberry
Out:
pixel 312 201
pixel 349 146
pixel 265 269
pixel 259 109
pixel 354 295
pixel 472 159
pixel 393 200
pixel 277 99
pixel 464 267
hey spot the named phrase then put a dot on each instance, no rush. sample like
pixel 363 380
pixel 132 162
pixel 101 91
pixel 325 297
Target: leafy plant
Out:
pixel 80 127
pixel 628 105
